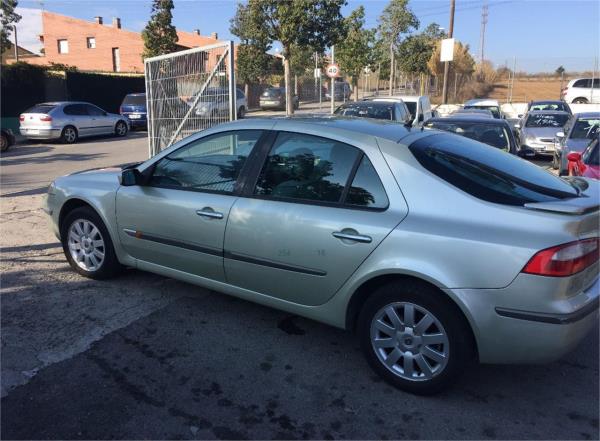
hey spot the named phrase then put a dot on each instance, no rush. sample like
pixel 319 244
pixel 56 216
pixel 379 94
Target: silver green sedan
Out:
pixel 434 249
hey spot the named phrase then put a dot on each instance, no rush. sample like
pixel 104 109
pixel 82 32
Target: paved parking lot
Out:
pixel 143 356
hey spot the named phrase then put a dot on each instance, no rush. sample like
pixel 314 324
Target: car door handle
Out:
pixel 209 212
pixel 353 237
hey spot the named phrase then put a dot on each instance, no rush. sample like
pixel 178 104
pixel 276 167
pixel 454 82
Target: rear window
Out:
pixel 488 173
pixel 490 134
pixel 546 120
pixel 371 110
pixel 135 100
pixel 494 109
pixel 273 92
pixel 40 108
pixel 550 106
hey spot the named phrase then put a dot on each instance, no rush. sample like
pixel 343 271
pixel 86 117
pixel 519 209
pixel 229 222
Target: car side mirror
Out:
pixel 574 157
pixel 526 153
pixel 520 116
pixel 560 134
pixel 131 177
pixel 517 126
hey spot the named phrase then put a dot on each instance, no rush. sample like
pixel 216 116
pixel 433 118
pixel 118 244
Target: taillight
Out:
pixel 45 118
pixel 21 118
pixel 564 260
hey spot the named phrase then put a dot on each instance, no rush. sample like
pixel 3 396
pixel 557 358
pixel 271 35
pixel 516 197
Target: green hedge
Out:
pixel 22 86
pixel 106 91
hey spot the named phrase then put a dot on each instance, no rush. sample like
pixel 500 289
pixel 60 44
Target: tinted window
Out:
pixel 550 106
pixel 367 110
pixel 40 108
pixel 487 173
pixel 494 109
pixel 585 128
pixel 583 83
pixel 75 109
pixel 213 163
pixel 596 82
pixel 412 108
pixel 490 134
pixel 239 94
pixel 94 111
pixel 135 100
pixel 306 167
pixel 274 92
pixel 546 120
pixel 366 189
pixel 590 156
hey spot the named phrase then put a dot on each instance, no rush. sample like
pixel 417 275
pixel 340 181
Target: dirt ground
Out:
pixel 525 90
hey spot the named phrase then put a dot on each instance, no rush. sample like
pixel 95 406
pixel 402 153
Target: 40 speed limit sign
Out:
pixel 332 71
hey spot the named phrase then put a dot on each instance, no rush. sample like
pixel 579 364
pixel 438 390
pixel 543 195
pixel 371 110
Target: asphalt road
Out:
pixel 145 357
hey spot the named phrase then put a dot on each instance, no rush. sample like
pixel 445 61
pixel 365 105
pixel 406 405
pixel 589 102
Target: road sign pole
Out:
pixel 447 64
pixel 332 81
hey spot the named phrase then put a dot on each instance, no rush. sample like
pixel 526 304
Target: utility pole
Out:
pixel 16 44
pixel 484 20
pixel 446 63
pixel 332 81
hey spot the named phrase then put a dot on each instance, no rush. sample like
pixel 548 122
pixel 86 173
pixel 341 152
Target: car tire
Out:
pixel 3 143
pixel 87 245
pixel 296 105
pixel 555 163
pixel 433 366
pixel 241 112
pixel 580 101
pixel 121 129
pixel 69 135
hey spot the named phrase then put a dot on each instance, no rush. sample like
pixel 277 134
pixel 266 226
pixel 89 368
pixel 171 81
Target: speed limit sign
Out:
pixel 333 70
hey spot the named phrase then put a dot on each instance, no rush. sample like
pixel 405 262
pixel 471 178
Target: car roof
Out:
pixel 136 94
pixel 60 103
pixel 587 115
pixel 380 103
pixel 552 112
pixel 534 102
pixel 408 98
pixel 469 119
pixel 482 102
pixel 384 129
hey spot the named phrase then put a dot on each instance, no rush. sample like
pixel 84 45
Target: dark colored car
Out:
pixel 586 164
pixel 134 108
pixel 494 132
pixel 7 139
pixel 391 111
pixel 548 105
pixel 342 91
pixel 274 98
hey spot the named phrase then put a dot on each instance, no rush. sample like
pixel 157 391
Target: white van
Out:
pixel 418 106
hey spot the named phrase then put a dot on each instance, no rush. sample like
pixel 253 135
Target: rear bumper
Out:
pixel 533 320
pixel 264 105
pixel 36 133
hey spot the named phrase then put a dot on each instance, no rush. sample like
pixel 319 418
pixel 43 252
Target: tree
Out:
pixel 355 52
pixel 8 19
pixel 397 19
pixel 160 36
pixel 462 64
pixel 560 70
pixel 253 62
pixel 296 23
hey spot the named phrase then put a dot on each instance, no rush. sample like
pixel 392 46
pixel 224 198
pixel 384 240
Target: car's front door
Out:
pixel 318 209
pixel 101 123
pixel 178 219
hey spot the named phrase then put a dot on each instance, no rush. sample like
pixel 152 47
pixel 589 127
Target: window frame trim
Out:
pixel 265 149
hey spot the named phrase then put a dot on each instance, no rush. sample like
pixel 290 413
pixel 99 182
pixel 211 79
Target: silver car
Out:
pixel 69 121
pixel 215 103
pixel 434 248
pixel 537 130
pixel 575 137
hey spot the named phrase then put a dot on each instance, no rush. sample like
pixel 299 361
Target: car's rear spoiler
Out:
pixel 575 206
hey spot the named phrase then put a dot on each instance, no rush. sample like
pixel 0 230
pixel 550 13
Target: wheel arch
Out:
pixel 365 290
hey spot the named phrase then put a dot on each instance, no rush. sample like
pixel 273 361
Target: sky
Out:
pixel 540 34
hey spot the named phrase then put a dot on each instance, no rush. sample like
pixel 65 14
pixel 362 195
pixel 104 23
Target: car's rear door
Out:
pixel 318 209
pixel 178 219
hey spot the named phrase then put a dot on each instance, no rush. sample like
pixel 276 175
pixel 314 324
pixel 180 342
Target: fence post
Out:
pixel 232 85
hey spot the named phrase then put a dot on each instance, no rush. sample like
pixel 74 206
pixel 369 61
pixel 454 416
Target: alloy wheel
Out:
pixel 409 341
pixel 70 135
pixel 121 129
pixel 86 245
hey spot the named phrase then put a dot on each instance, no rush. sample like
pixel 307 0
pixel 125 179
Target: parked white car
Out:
pixel 485 104
pixel 582 91
pixel 418 106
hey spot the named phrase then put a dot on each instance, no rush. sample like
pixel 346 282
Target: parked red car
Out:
pixel 586 163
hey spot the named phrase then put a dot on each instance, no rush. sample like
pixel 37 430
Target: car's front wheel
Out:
pixel 241 112
pixel 555 163
pixel 414 338
pixel 87 244
pixel 121 128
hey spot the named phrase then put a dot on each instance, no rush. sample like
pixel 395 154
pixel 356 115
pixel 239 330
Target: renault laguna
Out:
pixel 435 249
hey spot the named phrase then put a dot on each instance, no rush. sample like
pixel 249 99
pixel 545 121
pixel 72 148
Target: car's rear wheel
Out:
pixel 580 101
pixel 414 338
pixel 241 112
pixel 3 143
pixel 87 245
pixel 555 163
pixel 121 129
pixel 69 135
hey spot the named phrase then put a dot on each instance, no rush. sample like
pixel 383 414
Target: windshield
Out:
pixel 590 156
pixel 135 100
pixel 494 109
pixel 371 110
pixel 487 173
pixel 490 134
pixel 546 120
pixel 585 128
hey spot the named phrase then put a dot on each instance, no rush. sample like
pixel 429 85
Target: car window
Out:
pixel 487 173
pixel 596 82
pixel 494 109
pixel 591 154
pixel 367 110
pixel 582 83
pixel 306 167
pixel 75 109
pixel 546 120
pixel 40 108
pixel 366 189
pixel 490 134
pixel 412 108
pixel 274 92
pixel 549 106
pixel 135 100
pixel 585 128
pixel 94 111
pixel 213 163
pixel 239 95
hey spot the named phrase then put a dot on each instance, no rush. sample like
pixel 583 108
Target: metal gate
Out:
pixel 189 91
